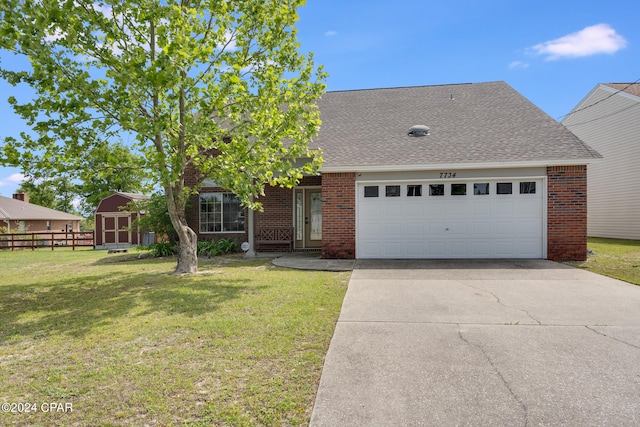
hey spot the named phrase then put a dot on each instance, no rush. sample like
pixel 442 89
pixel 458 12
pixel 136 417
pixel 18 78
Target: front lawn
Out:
pixel 121 341
pixel 615 258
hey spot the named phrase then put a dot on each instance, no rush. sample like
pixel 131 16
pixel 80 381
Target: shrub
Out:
pixel 162 249
pixel 204 248
pixel 226 246
pixel 217 247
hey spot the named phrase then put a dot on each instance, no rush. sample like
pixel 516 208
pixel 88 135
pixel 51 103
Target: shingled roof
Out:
pixel 17 210
pixel 470 125
pixel 630 88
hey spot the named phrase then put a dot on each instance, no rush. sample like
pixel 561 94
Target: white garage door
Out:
pixel 473 219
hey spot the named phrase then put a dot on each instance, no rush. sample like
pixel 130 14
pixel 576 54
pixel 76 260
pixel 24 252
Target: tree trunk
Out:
pixel 188 240
pixel 188 250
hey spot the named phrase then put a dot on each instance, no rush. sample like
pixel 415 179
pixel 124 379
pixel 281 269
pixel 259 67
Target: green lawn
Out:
pixel 615 258
pixel 124 342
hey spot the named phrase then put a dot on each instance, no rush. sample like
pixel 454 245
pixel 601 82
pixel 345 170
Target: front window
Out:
pixel 220 213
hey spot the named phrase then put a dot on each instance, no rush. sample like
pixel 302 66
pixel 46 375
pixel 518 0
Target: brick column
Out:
pixel 339 215
pixel 567 213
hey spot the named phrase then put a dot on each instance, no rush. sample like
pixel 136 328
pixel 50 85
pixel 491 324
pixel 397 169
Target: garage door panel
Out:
pixel 457 208
pixel 482 208
pixel 504 228
pixel 458 249
pixel 392 250
pixel 527 207
pixel 436 248
pixel 482 229
pixel 469 226
pixel 502 208
pixel 434 209
pixel 414 211
pixel 504 248
pixel 369 249
pixel 527 228
pixel 480 248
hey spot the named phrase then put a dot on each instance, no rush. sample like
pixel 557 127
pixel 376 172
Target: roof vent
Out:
pixel 418 130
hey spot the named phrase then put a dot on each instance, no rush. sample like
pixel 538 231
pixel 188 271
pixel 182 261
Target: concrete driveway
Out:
pixel 482 343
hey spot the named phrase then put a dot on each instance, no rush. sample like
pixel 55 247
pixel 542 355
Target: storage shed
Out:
pixel 113 222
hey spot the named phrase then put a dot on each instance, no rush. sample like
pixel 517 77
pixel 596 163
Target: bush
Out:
pixel 207 248
pixel 204 248
pixel 217 247
pixel 162 249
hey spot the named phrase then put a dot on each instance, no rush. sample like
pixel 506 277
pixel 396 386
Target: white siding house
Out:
pixel 608 120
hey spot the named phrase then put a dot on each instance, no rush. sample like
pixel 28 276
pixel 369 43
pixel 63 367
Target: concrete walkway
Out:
pixel 482 343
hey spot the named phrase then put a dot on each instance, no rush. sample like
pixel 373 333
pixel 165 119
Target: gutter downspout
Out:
pixel 251 253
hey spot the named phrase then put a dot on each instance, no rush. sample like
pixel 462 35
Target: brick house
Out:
pixel 17 215
pixel 451 171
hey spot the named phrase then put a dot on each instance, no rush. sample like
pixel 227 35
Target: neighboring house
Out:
pixel 113 222
pixel 451 171
pixel 608 119
pixel 17 215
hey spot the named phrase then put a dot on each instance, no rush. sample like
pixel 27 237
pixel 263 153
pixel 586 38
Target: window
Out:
pixel 371 191
pixel 436 189
pixel 392 191
pixel 527 188
pixel 220 212
pixel 504 188
pixel 414 190
pixel 481 189
pixel 48 225
pixel 458 189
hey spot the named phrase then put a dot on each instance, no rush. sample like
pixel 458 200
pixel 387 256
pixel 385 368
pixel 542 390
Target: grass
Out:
pixel 615 258
pixel 127 343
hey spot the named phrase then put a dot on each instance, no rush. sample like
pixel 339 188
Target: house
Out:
pixel 451 171
pixel 608 119
pixel 18 215
pixel 113 222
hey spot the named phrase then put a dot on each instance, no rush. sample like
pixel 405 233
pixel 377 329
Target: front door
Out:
pixel 308 214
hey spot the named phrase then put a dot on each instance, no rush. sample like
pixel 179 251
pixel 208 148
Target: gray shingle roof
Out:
pixel 484 123
pixel 17 210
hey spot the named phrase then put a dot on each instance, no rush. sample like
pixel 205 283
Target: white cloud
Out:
pixel 54 36
pixel 12 179
pixel 593 40
pixel 518 65
pixel 330 33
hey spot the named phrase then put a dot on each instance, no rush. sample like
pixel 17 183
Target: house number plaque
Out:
pixel 447 174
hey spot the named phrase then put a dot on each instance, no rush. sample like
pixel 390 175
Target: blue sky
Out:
pixel 552 52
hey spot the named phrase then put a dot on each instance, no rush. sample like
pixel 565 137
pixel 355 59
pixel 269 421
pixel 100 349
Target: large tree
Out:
pixel 217 87
pixel 55 193
pixel 106 169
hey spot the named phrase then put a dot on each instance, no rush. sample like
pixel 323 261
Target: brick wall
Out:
pixel 339 215
pixel 567 213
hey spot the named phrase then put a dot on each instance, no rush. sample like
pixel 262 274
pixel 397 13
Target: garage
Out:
pixel 483 218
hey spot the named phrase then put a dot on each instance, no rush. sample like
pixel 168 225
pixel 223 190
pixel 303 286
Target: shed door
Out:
pixel 472 219
pixel 115 230
pixel 109 230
